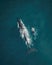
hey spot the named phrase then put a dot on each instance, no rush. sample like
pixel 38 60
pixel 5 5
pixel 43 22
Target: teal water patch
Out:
pixel 36 13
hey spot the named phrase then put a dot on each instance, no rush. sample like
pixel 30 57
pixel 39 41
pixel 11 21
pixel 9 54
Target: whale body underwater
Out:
pixel 24 33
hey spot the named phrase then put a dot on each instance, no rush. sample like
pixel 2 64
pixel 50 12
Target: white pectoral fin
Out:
pixel 22 35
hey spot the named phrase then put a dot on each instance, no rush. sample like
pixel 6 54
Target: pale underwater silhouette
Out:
pixel 24 33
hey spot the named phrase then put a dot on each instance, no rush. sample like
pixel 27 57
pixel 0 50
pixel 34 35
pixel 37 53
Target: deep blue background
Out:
pixel 33 13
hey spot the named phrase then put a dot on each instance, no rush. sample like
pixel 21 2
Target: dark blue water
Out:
pixel 36 13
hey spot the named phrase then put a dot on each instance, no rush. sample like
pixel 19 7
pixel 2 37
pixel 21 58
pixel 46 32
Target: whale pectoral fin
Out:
pixel 22 35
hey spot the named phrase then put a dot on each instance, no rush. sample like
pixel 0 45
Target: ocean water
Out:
pixel 37 13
